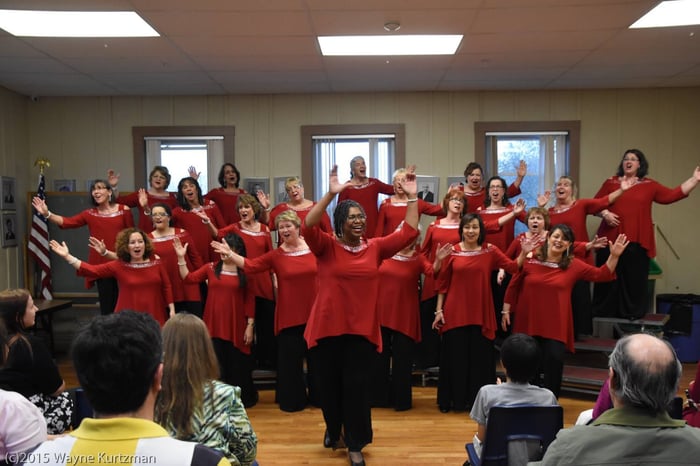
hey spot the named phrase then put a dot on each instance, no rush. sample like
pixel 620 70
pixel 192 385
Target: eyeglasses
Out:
pixel 159 214
pixel 352 218
pixel 457 199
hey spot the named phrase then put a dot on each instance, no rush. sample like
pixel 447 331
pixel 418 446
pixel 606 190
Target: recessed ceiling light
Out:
pixel 389 45
pixel 35 23
pixel 669 14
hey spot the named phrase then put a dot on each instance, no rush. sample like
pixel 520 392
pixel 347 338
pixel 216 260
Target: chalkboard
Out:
pixel 64 279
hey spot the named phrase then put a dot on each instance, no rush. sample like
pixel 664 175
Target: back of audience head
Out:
pixel 189 363
pixel 645 372
pixel 14 307
pixel 116 358
pixel 520 355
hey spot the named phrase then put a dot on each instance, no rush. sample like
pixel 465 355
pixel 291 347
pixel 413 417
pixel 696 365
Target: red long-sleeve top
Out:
pixel 132 200
pixel 391 214
pixel 143 286
pixel 163 247
pixel 201 234
pixel 465 278
pixel 634 209
pixel 437 234
pixel 349 284
pixel 227 203
pixel 102 226
pixel 228 305
pixel 478 199
pixel 256 243
pixel 297 284
pixel 540 297
pixel 575 215
pixel 367 195
pixel 399 278
pixel 500 236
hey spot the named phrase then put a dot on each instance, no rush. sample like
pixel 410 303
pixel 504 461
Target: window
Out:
pixel 382 146
pixel 179 147
pixel 550 149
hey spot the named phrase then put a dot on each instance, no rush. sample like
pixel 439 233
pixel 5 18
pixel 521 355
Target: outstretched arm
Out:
pixel 62 250
pixel 690 184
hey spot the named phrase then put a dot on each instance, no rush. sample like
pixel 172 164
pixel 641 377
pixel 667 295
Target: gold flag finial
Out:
pixel 42 163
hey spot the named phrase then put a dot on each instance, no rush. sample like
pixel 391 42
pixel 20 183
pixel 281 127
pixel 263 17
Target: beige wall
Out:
pixel 85 136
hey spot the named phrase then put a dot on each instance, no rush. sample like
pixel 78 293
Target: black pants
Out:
pixel 625 297
pixel 236 369
pixel 581 308
pixel 342 363
pixel 191 307
pixel 265 347
pixel 391 371
pixel 108 292
pixel 498 292
pixel 466 364
pixel 551 364
pixel 291 383
pixel 427 351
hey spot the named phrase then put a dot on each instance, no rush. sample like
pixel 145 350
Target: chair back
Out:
pixel 82 408
pixel 518 434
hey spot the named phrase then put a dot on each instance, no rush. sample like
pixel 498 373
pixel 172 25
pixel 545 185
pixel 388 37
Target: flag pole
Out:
pixel 38 241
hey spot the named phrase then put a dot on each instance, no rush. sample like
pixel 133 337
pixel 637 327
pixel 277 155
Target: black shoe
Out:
pixel 357 463
pixel 444 409
pixel 327 440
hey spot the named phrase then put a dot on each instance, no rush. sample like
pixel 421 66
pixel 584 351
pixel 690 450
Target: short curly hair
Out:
pixel 121 246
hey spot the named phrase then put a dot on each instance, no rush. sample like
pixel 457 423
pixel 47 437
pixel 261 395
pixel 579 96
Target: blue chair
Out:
pixel 81 407
pixel 517 428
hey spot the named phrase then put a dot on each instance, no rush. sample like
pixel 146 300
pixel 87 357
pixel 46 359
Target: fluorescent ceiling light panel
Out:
pixel 35 23
pixel 389 45
pixel 671 13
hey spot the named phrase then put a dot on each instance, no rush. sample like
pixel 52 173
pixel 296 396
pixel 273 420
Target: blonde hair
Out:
pixel 288 216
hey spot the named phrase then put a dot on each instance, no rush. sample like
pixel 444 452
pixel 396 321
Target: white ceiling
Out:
pixel 218 47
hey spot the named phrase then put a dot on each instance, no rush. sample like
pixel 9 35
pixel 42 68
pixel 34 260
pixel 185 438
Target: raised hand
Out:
pixel 98 245
pixel 618 247
pixel 443 250
pixel 409 184
pixel 143 198
pixel 113 178
pixel 263 199
pixel 192 171
pixel 519 206
pixel 527 245
pixel 221 247
pixel 627 183
pixel 40 205
pixel 522 169
pixel 180 249
pixel 335 186
pixel 59 248
pixel 597 243
pixel 543 199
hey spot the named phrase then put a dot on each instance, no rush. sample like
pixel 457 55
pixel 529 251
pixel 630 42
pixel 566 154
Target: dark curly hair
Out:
pixel 182 202
pixel 221 179
pixel 121 246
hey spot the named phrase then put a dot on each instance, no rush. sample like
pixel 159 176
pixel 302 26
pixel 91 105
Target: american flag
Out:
pixel 39 244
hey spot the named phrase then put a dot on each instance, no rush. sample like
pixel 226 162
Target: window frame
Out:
pixel 309 131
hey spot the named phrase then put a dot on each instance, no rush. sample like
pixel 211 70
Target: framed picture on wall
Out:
pixel 88 185
pixel 428 188
pixel 253 185
pixel 9 193
pixel 280 191
pixel 9 229
pixel 455 181
pixel 65 186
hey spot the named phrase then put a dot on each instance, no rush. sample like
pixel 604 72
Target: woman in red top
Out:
pixel 187 295
pixel 202 219
pixel 104 221
pixel 365 191
pixel 393 209
pixel 399 317
pixel 540 297
pixel 465 315
pixel 226 197
pixel 158 182
pixel 343 331
pixel 144 285
pixel 441 231
pixel 297 203
pixel 229 313
pixel 475 193
pixel 631 215
pixel 295 267
pixel 258 240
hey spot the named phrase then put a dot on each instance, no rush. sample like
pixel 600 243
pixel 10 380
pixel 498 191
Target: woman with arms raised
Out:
pixel 343 330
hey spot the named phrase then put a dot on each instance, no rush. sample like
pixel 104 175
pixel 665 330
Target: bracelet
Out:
pixel 48 215
pixel 71 262
pixel 104 253
pixel 505 312
pixel 415 199
pixel 182 263
pixel 206 222
pixel 251 324
pixel 146 212
pixel 438 311
pixel 269 209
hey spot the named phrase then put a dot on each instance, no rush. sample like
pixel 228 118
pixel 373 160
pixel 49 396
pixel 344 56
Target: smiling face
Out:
pixel 564 190
pixel 288 231
pixel 29 317
pixel 101 193
pixel 295 191
pixel 557 243
pixel 470 232
pixel 136 246
pixel 354 226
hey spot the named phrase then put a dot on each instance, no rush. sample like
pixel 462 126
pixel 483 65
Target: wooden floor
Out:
pixel 421 436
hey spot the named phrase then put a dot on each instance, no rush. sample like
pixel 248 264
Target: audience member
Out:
pixel 644 377
pixel 193 405
pixel 118 361
pixel 520 356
